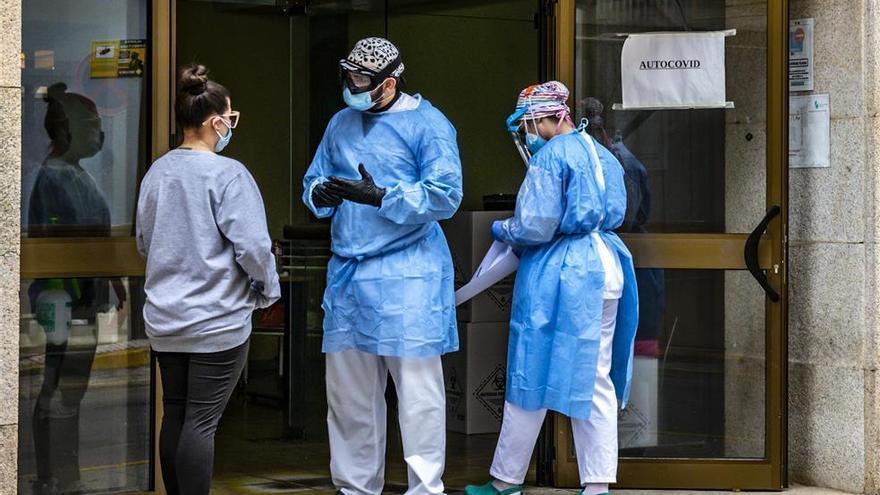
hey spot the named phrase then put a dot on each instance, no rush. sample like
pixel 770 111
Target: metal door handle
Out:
pixel 750 253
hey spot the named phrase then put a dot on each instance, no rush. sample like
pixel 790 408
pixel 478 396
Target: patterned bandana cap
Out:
pixel 539 101
pixel 374 55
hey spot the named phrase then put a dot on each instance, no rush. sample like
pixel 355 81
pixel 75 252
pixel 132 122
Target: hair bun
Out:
pixel 591 108
pixel 193 79
pixel 55 91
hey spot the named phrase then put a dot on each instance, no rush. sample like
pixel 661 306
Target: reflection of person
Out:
pixel 66 201
pixel 574 305
pixel 650 281
pixel 638 195
pixel 202 227
pixel 389 303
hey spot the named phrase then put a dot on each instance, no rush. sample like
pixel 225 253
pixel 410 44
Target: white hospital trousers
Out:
pixel 356 420
pixel 595 438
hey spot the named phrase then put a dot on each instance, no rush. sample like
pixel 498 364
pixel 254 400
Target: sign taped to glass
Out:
pixel 118 58
pixel 673 71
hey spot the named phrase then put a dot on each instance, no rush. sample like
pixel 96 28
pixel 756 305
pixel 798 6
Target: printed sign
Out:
pixel 673 70
pixel 800 55
pixel 637 424
pixel 490 392
pixel 809 131
pixel 118 58
pixel 454 394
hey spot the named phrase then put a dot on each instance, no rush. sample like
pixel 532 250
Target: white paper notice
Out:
pixel 499 262
pixel 809 131
pixel 673 70
pixel 800 55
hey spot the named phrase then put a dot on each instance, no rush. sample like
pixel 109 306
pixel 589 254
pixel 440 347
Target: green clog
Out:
pixel 489 489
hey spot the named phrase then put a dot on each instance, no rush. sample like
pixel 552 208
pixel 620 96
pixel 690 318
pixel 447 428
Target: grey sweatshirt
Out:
pixel 201 226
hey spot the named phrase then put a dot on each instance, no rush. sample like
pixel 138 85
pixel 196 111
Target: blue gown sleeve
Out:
pixel 317 174
pixel 539 205
pixel 438 193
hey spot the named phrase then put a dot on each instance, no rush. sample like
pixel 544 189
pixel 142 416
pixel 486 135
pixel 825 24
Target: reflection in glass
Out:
pixel 698 378
pixel 698 388
pixel 65 200
pixel 84 404
pixel 707 166
pixel 57 38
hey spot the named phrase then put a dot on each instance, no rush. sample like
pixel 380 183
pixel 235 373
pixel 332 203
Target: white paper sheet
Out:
pixel 673 70
pixel 809 131
pixel 499 262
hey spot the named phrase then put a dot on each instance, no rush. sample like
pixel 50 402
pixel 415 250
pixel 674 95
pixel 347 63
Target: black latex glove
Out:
pixel 363 191
pixel 323 197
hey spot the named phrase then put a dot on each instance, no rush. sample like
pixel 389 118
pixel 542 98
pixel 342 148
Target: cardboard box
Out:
pixel 637 424
pixel 469 234
pixel 475 378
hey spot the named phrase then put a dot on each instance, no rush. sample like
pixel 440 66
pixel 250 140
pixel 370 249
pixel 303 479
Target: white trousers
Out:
pixel 356 420
pixel 595 439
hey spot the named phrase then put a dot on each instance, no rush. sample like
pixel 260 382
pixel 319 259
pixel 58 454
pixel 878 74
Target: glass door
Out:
pixel 85 399
pixel 706 223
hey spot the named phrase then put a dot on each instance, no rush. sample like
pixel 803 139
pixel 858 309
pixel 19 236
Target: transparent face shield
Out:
pixel 514 127
pixel 520 144
pixel 520 126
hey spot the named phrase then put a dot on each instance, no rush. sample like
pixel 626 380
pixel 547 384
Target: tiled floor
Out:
pixel 255 455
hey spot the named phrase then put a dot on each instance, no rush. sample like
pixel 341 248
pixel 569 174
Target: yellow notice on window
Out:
pixel 118 58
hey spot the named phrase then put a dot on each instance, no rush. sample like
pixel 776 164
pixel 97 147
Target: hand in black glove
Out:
pixel 363 191
pixel 323 197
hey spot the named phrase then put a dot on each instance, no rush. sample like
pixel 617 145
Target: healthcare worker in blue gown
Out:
pixel 575 306
pixel 386 171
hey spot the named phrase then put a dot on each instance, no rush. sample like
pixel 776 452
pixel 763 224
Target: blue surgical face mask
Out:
pixel 534 142
pixel 360 101
pixel 224 140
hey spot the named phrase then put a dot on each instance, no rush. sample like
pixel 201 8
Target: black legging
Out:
pixel 56 429
pixel 195 391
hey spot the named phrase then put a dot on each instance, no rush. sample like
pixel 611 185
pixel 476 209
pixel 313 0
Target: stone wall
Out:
pixel 872 254
pixel 10 178
pixel 833 405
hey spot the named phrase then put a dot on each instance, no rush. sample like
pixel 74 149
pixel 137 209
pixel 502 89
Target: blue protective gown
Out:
pixel 390 288
pixel 557 300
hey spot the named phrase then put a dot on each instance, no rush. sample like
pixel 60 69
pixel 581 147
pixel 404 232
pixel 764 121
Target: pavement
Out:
pixel 279 486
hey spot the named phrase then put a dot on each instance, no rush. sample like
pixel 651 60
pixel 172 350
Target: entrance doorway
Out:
pixel 281 66
pixel 707 225
pixel 712 350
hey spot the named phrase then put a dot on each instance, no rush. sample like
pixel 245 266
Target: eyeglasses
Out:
pixel 230 118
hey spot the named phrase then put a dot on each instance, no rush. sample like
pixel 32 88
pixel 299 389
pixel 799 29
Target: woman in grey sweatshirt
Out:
pixel 202 228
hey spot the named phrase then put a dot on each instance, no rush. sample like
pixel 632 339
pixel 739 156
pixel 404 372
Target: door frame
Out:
pixel 712 251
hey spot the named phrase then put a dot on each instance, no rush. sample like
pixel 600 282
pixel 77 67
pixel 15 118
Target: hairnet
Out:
pixel 540 100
